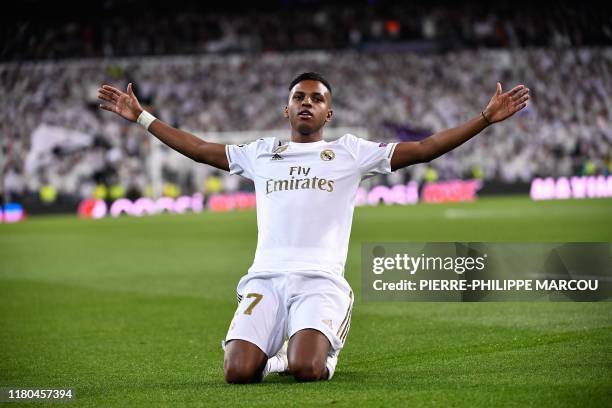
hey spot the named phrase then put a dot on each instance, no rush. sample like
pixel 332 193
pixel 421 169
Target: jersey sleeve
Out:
pixel 242 157
pixel 372 157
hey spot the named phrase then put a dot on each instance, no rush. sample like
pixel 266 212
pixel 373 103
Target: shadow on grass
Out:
pixel 340 377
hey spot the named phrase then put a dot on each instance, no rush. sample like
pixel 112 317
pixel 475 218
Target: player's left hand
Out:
pixel 504 105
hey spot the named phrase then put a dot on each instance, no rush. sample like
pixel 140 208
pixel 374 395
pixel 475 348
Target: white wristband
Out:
pixel 145 119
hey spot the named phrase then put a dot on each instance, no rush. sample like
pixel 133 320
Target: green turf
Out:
pixel 130 312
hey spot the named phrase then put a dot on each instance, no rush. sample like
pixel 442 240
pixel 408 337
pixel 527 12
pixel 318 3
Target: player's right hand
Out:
pixel 124 104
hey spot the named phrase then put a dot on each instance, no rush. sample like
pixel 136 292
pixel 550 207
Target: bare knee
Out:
pixel 307 354
pixel 243 362
pixel 240 372
pixel 307 370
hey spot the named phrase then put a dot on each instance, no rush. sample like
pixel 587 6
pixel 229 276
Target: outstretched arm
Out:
pixel 126 105
pixel 501 107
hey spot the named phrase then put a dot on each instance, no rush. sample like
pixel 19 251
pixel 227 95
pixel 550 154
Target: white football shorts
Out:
pixel 274 306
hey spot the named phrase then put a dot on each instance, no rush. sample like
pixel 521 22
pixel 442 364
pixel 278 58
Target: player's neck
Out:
pixel 297 137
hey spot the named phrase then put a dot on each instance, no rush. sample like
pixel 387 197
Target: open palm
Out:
pixel 504 105
pixel 124 104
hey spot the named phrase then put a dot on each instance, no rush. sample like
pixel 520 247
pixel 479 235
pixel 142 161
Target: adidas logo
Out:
pixel 329 323
pixel 276 156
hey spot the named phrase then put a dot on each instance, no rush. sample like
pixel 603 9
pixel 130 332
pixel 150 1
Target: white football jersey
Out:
pixel 305 198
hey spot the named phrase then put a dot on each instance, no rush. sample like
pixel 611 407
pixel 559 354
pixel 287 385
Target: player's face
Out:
pixel 309 107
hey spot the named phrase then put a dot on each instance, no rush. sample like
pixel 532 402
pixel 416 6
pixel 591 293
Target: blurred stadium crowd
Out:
pixel 137 27
pixel 55 137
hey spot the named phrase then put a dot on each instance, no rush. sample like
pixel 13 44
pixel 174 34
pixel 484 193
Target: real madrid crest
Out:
pixel 328 155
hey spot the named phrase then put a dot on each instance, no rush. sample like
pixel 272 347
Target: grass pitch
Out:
pixel 131 311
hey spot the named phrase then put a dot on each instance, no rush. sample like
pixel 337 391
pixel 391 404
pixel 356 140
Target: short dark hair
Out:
pixel 310 76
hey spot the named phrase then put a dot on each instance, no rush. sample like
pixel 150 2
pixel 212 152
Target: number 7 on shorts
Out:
pixel 257 297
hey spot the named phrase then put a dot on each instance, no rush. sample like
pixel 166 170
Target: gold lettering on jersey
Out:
pixel 296 183
pixel 298 170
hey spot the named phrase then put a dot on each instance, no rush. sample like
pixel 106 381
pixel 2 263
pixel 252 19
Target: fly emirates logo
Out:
pixel 299 180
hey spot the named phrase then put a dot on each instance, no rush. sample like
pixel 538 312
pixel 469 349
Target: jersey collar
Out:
pixel 305 146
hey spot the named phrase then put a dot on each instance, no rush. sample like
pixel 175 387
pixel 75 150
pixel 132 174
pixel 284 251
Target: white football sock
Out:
pixel 277 363
pixel 332 360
